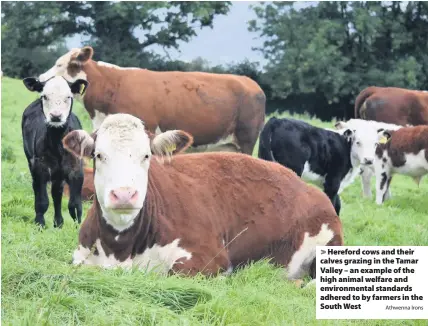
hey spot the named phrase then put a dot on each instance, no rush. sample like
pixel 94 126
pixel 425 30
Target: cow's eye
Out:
pixel 99 156
pixel 44 97
pixel 59 65
pixel 146 157
pixel 358 143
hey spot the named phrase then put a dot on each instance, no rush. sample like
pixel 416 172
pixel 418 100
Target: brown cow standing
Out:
pixel 199 213
pixel 392 105
pixel 222 112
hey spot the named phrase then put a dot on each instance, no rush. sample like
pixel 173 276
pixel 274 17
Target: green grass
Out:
pixel 39 286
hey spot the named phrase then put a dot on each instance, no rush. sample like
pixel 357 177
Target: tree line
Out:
pixel 319 57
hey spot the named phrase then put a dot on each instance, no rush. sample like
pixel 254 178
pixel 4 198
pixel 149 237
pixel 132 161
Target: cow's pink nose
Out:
pixel 123 197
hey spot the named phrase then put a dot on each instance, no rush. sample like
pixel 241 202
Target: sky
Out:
pixel 228 41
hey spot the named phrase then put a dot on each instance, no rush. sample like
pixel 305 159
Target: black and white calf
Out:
pixel 44 123
pixel 316 155
pixel 364 146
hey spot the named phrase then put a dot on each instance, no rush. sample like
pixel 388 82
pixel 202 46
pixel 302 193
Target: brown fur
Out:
pixel 403 141
pixel 208 106
pixel 204 199
pixel 392 105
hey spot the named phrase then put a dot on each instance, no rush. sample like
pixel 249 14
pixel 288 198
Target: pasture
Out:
pixel 40 287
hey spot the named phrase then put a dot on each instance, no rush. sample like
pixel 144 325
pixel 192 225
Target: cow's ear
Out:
pixel 340 125
pixel 79 86
pixel 79 143
pixel 384 136
pixel 33 84
pixel 349 134
pixel 171 142
pixel 85 54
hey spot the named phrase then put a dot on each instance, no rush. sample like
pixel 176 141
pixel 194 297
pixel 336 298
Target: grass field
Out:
pixel 39 286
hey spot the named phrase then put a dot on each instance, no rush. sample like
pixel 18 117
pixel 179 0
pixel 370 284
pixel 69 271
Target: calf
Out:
pixel 44 123
pixel 317 155
pixel 363 151
pixel 403 151
pixel 199 213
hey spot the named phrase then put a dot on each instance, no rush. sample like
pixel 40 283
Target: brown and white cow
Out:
pixel 403 151
pixel 201 212
pixel 222 112
pixel 392 105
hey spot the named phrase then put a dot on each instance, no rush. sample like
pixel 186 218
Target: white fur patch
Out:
pixel 98 119
pixel 110 65
pixel 301 260
pixel 309 176
pixel 416 165
pixel 159 259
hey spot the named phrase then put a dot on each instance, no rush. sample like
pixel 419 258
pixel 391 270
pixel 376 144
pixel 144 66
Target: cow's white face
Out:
pixel 363 143
pixel 57 97
pixel 69 65
pixel 122 152
pixel 122 159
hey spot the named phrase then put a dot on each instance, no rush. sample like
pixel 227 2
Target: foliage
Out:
pixel 320 57
pixel 40 287
pixel 110 27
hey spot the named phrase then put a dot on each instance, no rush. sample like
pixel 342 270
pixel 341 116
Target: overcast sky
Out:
pixel 229 40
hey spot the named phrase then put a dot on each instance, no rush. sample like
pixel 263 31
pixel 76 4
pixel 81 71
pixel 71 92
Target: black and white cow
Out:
pixel 317 155
pixel 44 123
pixel 365 141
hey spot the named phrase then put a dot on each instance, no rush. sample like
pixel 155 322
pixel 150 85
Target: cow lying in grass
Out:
pixel 203 213
pixel 316 155
pixel 403 151
pixel 363 151
pixel 44 123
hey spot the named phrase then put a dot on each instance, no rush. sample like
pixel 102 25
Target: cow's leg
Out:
pixel 56 191
pixel 75 183
pixel 41 199
pixel 331 188
pixel 365 180
pixel 383 179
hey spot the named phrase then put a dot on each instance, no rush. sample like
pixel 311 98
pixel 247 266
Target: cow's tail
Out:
pixel 265 150
pixel 360 102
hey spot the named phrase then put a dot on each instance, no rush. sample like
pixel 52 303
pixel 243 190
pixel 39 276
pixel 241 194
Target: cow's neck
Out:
pixel 142 234
pixel 54 136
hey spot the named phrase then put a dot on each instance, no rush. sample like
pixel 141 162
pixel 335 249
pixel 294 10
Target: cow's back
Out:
pixel 209 106
pixel 396 105
pixel 227 193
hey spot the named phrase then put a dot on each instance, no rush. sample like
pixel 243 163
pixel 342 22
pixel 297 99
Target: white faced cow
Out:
pixel 364 146
pixel 202 213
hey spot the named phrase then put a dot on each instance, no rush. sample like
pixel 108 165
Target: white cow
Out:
pixel 365 141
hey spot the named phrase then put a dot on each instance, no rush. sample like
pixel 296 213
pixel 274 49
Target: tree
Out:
pixel 120 32
pixel 320 57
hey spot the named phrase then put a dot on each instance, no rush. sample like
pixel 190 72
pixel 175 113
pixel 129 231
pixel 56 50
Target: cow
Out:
pixel 403 151
pixel 44 123
pixel 365 141
pixel 202 213
pixel 392 105
pixel 221 111
pixel 315 154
